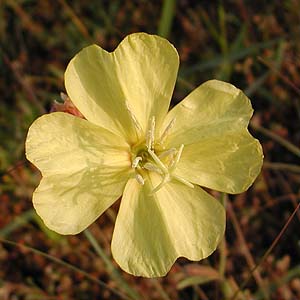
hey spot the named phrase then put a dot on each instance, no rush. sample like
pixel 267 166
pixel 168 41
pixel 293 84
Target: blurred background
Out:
pixel 254 45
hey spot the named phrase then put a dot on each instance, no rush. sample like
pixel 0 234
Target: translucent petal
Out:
pixel 153 230
pixel 61 143
pixel 121 90
pixel 212 110
pixel 84 168
pixel 69 203
pixel 229 163
pixel 219 152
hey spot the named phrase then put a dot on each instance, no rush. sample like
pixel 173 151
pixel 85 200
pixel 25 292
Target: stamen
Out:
pixel 165 180
pixel 182 180
pixel 136 162
pixel 167 130
pixel 151 134
pixel 177 158
pixel 139 178
pixel 133 118
pixel 150 167
pixel 166 153
pixel 158 161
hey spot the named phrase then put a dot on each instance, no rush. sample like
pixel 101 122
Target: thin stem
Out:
pixel 245 250
pixel 160 290
pixel 223 254
pixel 222 247
pixel 267 253
pixel 67 265
pixel 17 222
pixel 281 167
pixel 76 20
pixel 166 19
pixel 277 283
pixel 274 69
pixel 109 265
pixel 289 146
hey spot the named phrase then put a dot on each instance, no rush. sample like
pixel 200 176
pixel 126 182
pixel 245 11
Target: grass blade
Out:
pixel 166 19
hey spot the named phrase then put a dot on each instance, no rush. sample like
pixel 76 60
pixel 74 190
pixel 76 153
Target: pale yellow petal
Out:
pixel 211 110
pixel 229 163
pixel 122 90
pixel 153 230
pixel 219 152
pixel 69 203
pixel 62 143
pixel 84 168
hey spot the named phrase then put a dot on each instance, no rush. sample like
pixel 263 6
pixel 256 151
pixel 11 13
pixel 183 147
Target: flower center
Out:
pixel 148 157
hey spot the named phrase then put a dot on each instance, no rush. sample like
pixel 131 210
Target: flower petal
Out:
pixel 121 90
pixel 219 152
pixel 152 231
pixel 84 168
pixel 69 203
pixel 211 110
pixel 60 143
pixel 229 163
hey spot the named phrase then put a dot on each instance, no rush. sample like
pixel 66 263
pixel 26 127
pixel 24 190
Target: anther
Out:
pixel 151 167
pixel 133 118
pixel 136 162
pixel 167 130
pixel 177 158
pixel 167 153
pixel 151 134
pixel 139 178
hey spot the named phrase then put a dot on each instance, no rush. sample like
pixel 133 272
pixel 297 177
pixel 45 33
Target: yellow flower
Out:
pixel 130 145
